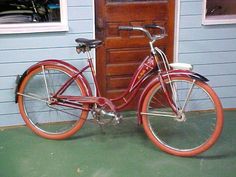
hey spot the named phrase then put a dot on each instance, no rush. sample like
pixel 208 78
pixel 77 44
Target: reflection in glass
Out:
pixel 29 11
pixel 219 7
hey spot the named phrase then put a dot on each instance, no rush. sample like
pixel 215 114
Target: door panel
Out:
pixel 123 51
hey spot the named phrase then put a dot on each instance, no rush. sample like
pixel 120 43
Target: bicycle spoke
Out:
pixel 188 96
pixel 45 81
pixel 62 110
pixel 33 96
pixel 175 96
pixel 48 117
pixel 198 122
pixel 52 81
pixel 156 101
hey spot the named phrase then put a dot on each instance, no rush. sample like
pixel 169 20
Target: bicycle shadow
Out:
pixel 225 146
pixel 224 155
pixel 126 128
pixel 223 149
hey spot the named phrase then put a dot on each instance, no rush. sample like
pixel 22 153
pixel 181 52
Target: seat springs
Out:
pixel 82 48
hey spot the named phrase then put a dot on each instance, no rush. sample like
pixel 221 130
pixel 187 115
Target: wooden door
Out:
pixel 122 51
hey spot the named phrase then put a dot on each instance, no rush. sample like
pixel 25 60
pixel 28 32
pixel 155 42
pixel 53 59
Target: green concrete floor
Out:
pixel 124 151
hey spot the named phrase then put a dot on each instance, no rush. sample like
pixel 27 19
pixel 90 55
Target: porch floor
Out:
pixel 122 151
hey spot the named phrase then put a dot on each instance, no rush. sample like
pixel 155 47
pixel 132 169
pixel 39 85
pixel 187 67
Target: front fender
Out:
pixel 57 63
pixel 155 80
pixel 187 73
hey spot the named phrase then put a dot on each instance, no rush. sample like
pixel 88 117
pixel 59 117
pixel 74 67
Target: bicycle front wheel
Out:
pixel 191 129
pixel 50 121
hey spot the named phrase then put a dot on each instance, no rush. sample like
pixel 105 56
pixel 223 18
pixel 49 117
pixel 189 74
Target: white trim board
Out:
pixel 216 19
pixel 176 31
pixel 39 27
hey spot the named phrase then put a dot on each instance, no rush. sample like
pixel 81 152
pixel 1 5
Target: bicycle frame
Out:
pixel 173 96
pixel 144 71
pixel 148 68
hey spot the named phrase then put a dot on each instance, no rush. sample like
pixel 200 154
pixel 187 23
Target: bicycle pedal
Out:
pixel 117 119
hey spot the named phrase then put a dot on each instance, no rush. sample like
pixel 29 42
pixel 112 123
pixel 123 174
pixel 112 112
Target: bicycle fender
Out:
pixel 155 80
pixel 52 62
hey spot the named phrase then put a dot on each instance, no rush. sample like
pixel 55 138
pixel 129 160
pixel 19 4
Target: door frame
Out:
pixel 176 31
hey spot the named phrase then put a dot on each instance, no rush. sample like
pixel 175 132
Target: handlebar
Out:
pixel 128 28
pixel 148 34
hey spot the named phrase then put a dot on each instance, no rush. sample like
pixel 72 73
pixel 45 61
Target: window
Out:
pixel 26 16
pixel 219 12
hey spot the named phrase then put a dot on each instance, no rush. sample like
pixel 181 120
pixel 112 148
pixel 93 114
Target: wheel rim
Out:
pixel 193 132
pixel 47 118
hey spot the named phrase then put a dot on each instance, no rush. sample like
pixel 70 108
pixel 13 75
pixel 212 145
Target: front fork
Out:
pixel 172 98
pixel 168 95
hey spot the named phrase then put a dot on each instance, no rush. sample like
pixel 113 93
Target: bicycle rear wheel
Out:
pixel 50 121
pixel 198 124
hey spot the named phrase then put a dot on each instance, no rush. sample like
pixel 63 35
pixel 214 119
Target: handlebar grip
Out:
pixel 150 26
pixel 163 30
pixel 128 28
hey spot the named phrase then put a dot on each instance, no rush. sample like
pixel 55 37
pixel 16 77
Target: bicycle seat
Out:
pixel 90 43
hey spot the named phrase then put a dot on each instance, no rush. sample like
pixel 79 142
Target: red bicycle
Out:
pixel 180 112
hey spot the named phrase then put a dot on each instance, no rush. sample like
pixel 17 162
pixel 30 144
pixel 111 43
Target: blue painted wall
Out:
pixel 211 49
pixel 19 51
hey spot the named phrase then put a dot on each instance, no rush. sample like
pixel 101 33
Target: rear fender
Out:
pixel 155 80
pixel 52 62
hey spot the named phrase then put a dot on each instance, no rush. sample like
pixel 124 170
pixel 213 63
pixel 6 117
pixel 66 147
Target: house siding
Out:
pixel 19 51
pixel 211 50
